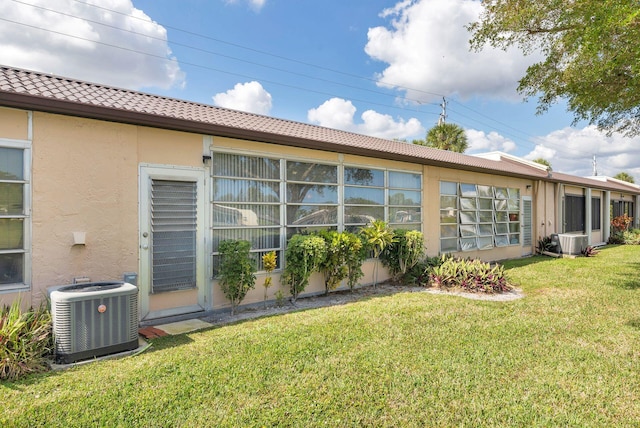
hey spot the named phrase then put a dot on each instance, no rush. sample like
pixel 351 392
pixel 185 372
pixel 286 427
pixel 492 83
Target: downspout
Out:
pixel 588 227
pixel 606 216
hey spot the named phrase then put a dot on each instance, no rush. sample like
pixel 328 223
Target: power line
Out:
pixel 279 57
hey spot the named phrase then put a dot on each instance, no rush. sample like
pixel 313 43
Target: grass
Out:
pixel 567 354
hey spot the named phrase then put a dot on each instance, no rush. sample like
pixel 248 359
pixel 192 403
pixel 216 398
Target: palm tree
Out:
pixel 446 136
pixel 624 177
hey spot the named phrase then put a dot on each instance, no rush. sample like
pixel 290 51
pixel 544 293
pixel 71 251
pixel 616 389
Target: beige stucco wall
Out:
pixel 83 181
pixel 14 124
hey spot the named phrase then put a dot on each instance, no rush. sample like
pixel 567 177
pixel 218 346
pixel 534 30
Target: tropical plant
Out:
pixel 589 55
pixel 269 263
pixel 237 270
pixel 343 260
pixel 469 275
pixel 403 253
pixel 545 243
pixel 446 136
pixel 356 255
pixel 589 251
pixel 624 176
pixel 25 340
pixel 303 256
pixel 377 236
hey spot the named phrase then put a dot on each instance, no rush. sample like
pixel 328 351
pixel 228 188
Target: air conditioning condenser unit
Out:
pixel 94 319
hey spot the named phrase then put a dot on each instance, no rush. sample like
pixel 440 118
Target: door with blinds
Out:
pixel 172 242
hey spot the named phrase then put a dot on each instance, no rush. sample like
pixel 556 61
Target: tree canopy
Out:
pixel 591 54
pixel 446 136
pixel 624 176
pixel 543 161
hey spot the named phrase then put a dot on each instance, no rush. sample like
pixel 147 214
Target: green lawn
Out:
pixel 567 354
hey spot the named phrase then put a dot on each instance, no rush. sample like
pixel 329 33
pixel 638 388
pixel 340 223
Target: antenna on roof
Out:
pixel 443 115
pixel 595 166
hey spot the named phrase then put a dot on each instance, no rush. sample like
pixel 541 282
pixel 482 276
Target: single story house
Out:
pixel 98 182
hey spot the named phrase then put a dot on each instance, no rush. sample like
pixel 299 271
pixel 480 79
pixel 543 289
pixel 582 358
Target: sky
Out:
pixel 377 67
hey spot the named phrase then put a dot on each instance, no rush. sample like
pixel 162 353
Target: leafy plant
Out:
pixel 377 236
pixel 406 251
pixel 469 275
pixel 589 251
pixel 334 267
pixel 237 271
pixel 343 260
pixel 25 340
pixel 303 256
pixel 621 223
pixel 545 244
pixel 269 263
pixel 356 255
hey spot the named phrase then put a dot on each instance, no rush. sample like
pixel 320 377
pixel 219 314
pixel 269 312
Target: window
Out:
pixel 246 202
pixel 596 214
pixel 478 217
pixel 574 215
pixel 265 200
pixel 363 196
pixel 14 217
pixel 312 197
pixel 619 208
pixel 405 200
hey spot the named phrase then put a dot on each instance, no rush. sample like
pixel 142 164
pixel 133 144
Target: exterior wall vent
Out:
pixel 94 319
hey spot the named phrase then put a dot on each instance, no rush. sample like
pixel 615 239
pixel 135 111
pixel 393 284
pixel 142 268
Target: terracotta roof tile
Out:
pixel 67 96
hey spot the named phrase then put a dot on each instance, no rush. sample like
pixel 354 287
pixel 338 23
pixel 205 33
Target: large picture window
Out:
pixel 266 200
pixel 478 217
pixel 14 217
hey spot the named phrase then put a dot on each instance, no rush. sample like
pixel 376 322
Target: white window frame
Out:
pixel 25 285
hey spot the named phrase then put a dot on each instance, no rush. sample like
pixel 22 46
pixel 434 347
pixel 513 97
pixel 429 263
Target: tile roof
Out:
pixel 44 92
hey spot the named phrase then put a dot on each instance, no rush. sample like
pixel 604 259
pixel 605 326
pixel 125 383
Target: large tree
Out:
pixel 624 176
pixel 591 54
pixel 446 136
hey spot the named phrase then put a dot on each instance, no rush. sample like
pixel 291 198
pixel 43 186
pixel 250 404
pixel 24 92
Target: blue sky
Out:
pixel 378 67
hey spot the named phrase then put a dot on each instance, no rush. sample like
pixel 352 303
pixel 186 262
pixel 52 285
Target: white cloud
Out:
pixel 338 113
pixel 426 47
pixel 256 5
pixel 72 45
pixel 250 97
pixel 571 150
pixel 480 142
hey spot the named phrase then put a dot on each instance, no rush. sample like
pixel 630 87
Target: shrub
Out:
pixel 377 236
pixel 403 253
pixel 469 275
pixel 589 251
pixel 334 265
pixel 631 237
pixel 237 269
pixel 545 244
pixel 419 273
pixel 303 257
pixel 25 340
pixel 621 223
pixel 343 260
pixel 269 263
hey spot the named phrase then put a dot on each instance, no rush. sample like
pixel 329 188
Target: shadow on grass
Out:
pixel 628 276
pixel 635 323
pixel 526 261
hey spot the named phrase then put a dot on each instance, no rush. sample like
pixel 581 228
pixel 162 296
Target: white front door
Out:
pixel 172 278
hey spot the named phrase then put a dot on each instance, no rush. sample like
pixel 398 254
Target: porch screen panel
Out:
pixel 173 232
pixel 526 231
